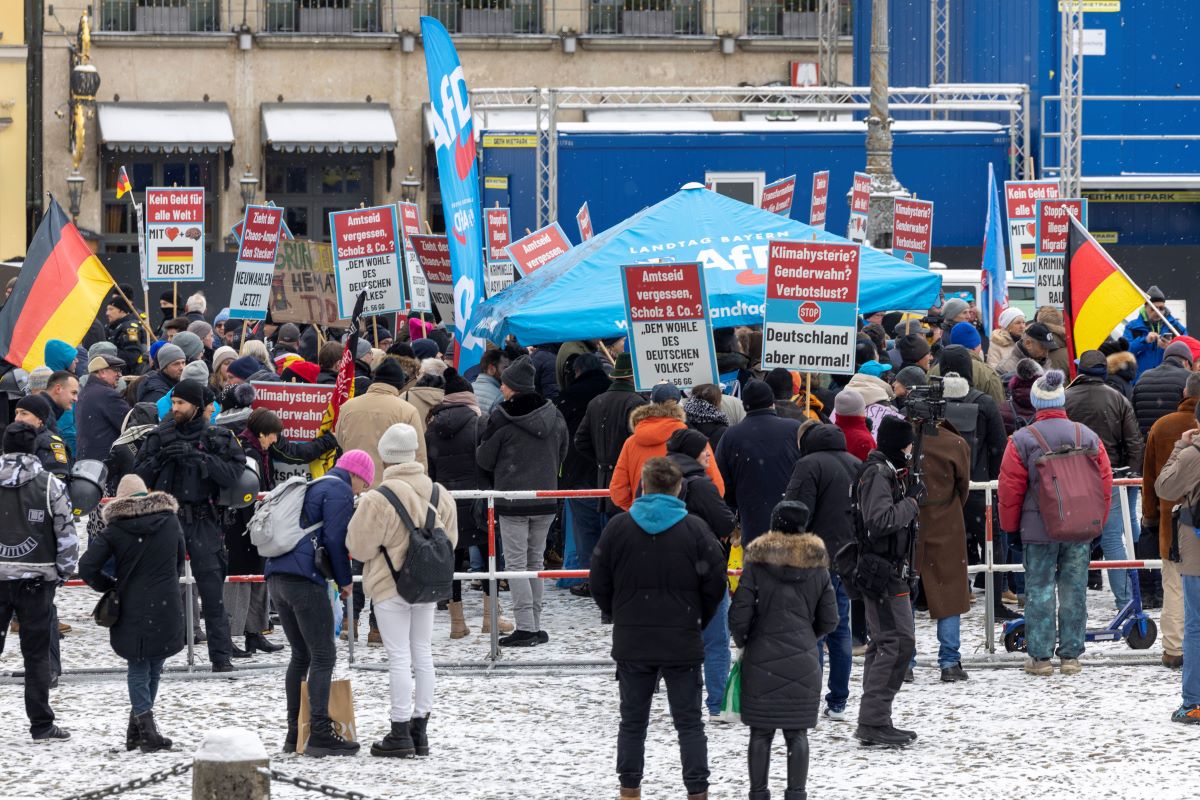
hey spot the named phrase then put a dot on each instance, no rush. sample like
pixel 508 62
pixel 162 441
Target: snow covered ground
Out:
pixel 1002 734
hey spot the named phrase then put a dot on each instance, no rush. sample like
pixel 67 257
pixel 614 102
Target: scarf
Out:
pixel 700 411
pixel 464 399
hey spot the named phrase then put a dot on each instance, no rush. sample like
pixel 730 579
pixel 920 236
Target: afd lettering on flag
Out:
pixel 174 234
pixel 366 258
pixel 250 296
pixel 820 199
pixel 912 231
pixel 458 179
pixel 1020 200
pixel 538 248
pixel 777 196
pixel 1053 227
pixel 811 317
pixel 434 255
pixel 584 219
pixel 860 205
pixel 670 339
pixel 499 233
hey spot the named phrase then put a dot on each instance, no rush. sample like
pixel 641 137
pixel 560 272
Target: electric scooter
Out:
pixel 1132 624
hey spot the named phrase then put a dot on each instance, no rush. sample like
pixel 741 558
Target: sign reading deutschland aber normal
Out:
pixel 812 307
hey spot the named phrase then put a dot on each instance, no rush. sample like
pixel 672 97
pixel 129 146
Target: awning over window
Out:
pixel 165 127
pixel 328 127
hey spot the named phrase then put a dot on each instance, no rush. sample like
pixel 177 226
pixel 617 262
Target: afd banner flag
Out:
pixel 458 176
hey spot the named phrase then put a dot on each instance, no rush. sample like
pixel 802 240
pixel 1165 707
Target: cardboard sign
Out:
pixel 538 248
pixel 366 256
pixel 912 231
pixel 304 287
pixel 860 205
pixel 584 219
pixel 777 196
pixel 299 406
pixel 257 247
pixel 414 276
pixel 174 234
pixel 434 254
pixel 1053 229
pixel 498 277
pixel 670 338
pixel 499 233
pixel 820 199
pixel 1020 200
pixel 812 307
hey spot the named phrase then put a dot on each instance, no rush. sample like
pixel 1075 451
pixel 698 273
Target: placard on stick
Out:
pixel 810 323
pixel 820 199
pixel 366 256
pixel 174 234
pixel 912 231
pixel 258 246
pixel 1052 231
pixel 670 337
pixel 1020 200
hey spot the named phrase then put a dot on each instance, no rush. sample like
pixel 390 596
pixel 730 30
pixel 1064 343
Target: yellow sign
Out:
pixel 1143 196
pixel 505 140
pixel 490 182
pixel 1104 237
pixel 1094 6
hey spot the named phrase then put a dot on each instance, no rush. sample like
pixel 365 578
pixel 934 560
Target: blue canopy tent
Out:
pixel 579 295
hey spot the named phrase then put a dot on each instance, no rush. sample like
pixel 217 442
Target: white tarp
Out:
pixel 165 127
pixel 328 127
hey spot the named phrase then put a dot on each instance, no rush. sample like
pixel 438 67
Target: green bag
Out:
pixel 731 703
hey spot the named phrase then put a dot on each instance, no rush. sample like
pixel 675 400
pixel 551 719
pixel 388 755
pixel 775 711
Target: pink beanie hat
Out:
pixel 358 462
pixel 418 329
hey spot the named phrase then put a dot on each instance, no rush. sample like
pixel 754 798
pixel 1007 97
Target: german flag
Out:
pixel 1097 293
pixel 58 293
pixel 176 255
pixel 124 187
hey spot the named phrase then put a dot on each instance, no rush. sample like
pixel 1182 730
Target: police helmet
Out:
pixel 15 383
pixel 244 492
pixel 86 485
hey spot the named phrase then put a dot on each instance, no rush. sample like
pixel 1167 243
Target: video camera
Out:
pixel 926 404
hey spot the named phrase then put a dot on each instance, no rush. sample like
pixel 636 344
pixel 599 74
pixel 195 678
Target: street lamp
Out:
pixel 409 187
pixel 75 183
pixel 248 186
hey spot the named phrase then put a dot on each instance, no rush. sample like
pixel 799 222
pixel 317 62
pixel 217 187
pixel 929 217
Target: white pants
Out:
pixel 407 633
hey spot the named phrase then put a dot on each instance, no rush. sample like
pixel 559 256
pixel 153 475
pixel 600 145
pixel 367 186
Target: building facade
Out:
pixel 13 129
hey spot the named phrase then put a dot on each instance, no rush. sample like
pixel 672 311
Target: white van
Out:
pixel 956 281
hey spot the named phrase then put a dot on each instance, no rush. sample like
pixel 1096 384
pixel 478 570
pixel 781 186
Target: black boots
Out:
pixel 324 741
pixel 256 641
pixel 289 739
pixel 397 744
pixel 131 734
pixel 884 736
pixel 238 652
pixel 417 726
pixel 150 739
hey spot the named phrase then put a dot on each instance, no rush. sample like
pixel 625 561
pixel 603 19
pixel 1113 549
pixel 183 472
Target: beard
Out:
pixel 182 417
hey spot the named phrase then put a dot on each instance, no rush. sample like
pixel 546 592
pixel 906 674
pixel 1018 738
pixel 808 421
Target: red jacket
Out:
pixel 859 441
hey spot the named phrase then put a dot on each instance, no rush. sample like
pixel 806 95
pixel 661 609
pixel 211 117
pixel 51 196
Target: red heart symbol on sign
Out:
pixel 1032 228
pixel 809 313
pixel 172 233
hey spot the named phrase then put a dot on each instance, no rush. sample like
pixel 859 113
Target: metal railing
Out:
pixel 488 17
pixel 327 17
pixel 792 19
pixel 645 18
pixel 164 16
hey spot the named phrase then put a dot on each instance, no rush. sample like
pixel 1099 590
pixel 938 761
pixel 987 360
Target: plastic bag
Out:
pixel 338 608
pixel 735 563
pixel 731 703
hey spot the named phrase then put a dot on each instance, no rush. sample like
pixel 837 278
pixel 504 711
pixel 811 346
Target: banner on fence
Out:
pixel 670 337
pixel 174 234
pixel 811 316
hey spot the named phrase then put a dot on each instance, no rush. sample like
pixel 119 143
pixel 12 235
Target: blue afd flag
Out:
pixel 993 281
pixel 458 176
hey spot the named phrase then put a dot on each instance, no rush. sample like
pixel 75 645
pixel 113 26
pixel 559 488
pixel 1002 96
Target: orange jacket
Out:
pixel 652 425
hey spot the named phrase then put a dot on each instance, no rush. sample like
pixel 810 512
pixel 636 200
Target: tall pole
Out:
pixel 884 186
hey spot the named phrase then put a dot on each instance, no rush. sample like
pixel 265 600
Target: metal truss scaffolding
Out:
pixel 1071 93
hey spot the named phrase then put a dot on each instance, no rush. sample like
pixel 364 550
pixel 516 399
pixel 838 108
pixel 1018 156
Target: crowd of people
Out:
pixel 849 496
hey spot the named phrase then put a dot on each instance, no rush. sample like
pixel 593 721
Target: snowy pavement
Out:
pixel 1002 734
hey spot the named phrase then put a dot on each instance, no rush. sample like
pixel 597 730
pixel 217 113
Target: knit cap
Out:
pixel 953 307
pixel 169 353
pixel 244 367
pixel 130 485
pixel 223 353
pixel 424 348
pixel 912 376
pixel 191 391
pixel 398 445
pixel 190 344
pixel 519 376
pixel 790 516
pixel 195 371
pixel 687 441
pixel 1010 315
pixel 964 333
pixel 358 463
pixel 1048 391
pixel 849 403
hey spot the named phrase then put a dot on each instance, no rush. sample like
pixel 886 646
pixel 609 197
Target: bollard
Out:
pixel 227 764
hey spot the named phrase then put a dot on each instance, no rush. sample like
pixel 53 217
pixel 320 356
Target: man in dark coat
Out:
pixel 756 458
pixel 605 426
pixel 660 574
pixel 1159 390
pixel 161 381
pixel 100 409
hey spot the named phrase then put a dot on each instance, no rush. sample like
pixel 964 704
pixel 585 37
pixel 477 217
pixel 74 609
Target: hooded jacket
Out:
pixel 982 377
pixel 17 470
pixel 1180 478
pixel 822 479
pixel 702 498
pixel 650 426
pixel 1105 411
pixel 878 396
pixel 487 392
pixel 859 441
pixel 784 603
pixel 364 418
pixel 523 445
pixel 1158 391
pixel 1018 408
pixel 424 399
pixel 142 533
pixel 329 501
pixel 1122 372
pixel 153 386
pixel 756 458
pixel 659 572
pixel 451 440
pixel 887 514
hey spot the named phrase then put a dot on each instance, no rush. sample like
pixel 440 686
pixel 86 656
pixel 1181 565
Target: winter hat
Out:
pixel 622 367
pixel 39 378
pixel 200 328
pixel 424 348
pixel 417 329
pixel 955 386
pixel 876 369
pixel 190 344
pixel 131 485
pixel 222 316
pixel 756 395
pixel 443 338
pixel 790 516
pixel 1029 370
pixel 912 347
pixel 390 372
pixel 301 371
pixel 1180 349
pixel 59 354
pixel 518 377
pixel 956 358
pixel 20 437
pixel 894 435
pixel 195 371
pixel 190 391
pixel 398 445
pixel 953 307
pixel 239 395
pixel 288 332
pixel 912 376
pixel 223 353
pixel 1038 332
pixel 154 348
pixel 37 405
pixel 780 381
pixel 169 353
pixel 244 367
pixel 401 349
pixel 665 393
pixel 687 441
pixel 358 463
pixel 1093 363
pixel 849 403
pixel 964 333
pixel 118 302
pixel 456 383
pixel 361 348
pixel 102 349
pixel 1010 315
pixel 1156 295
pixel 1047 391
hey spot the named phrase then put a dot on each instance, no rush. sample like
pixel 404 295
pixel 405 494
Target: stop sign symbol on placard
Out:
pixel 810 312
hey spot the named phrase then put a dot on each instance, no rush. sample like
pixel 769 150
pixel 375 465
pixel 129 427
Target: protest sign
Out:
pixel 499 233
pixel 257 247
pixel 584 219
pixel 1053 228
pixel 498 277
pixel 820 199
pixel 301 408
pixel 669 335
pixel 777 196
pixel 860 205
pixel 236 229
pixel 912 231
pixel 538 248
pixel 1020 199
pixel 434 254
pixel 812 307
pixel 304 288
pixel 174 234
pixel 418 287
pixel 366 257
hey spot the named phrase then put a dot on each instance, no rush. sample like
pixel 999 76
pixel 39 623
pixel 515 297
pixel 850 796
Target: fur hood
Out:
pixel 655 410
pixel 1002 338
pixel 1052 318
pixel 139 506
pixel 1124 360
pixel 803 551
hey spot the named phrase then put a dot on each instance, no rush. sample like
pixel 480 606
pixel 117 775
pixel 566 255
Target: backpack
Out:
pixel 964 416
pixel 864 574
pixel 428 569
pixel 1070 493
pixel 276 527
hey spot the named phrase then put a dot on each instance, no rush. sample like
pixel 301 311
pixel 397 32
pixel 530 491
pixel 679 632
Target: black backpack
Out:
pixel 428 569
pixel 964 416
pixel 865 574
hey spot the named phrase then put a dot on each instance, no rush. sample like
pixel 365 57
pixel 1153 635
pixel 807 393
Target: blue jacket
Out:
pixel 1149 355
pixel 332 503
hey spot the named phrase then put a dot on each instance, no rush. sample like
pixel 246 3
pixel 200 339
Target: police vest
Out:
pixel 27 524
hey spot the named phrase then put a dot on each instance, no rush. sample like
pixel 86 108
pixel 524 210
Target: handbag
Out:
pixel 321 559
pixel 108 608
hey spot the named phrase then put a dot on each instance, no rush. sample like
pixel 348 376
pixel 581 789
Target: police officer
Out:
pixel 36 410
pixel 125 331
pixel 193 460
pixel 38 550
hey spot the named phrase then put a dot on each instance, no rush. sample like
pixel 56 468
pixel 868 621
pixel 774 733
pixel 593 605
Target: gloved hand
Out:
pixel 176 450
pixel 916 491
